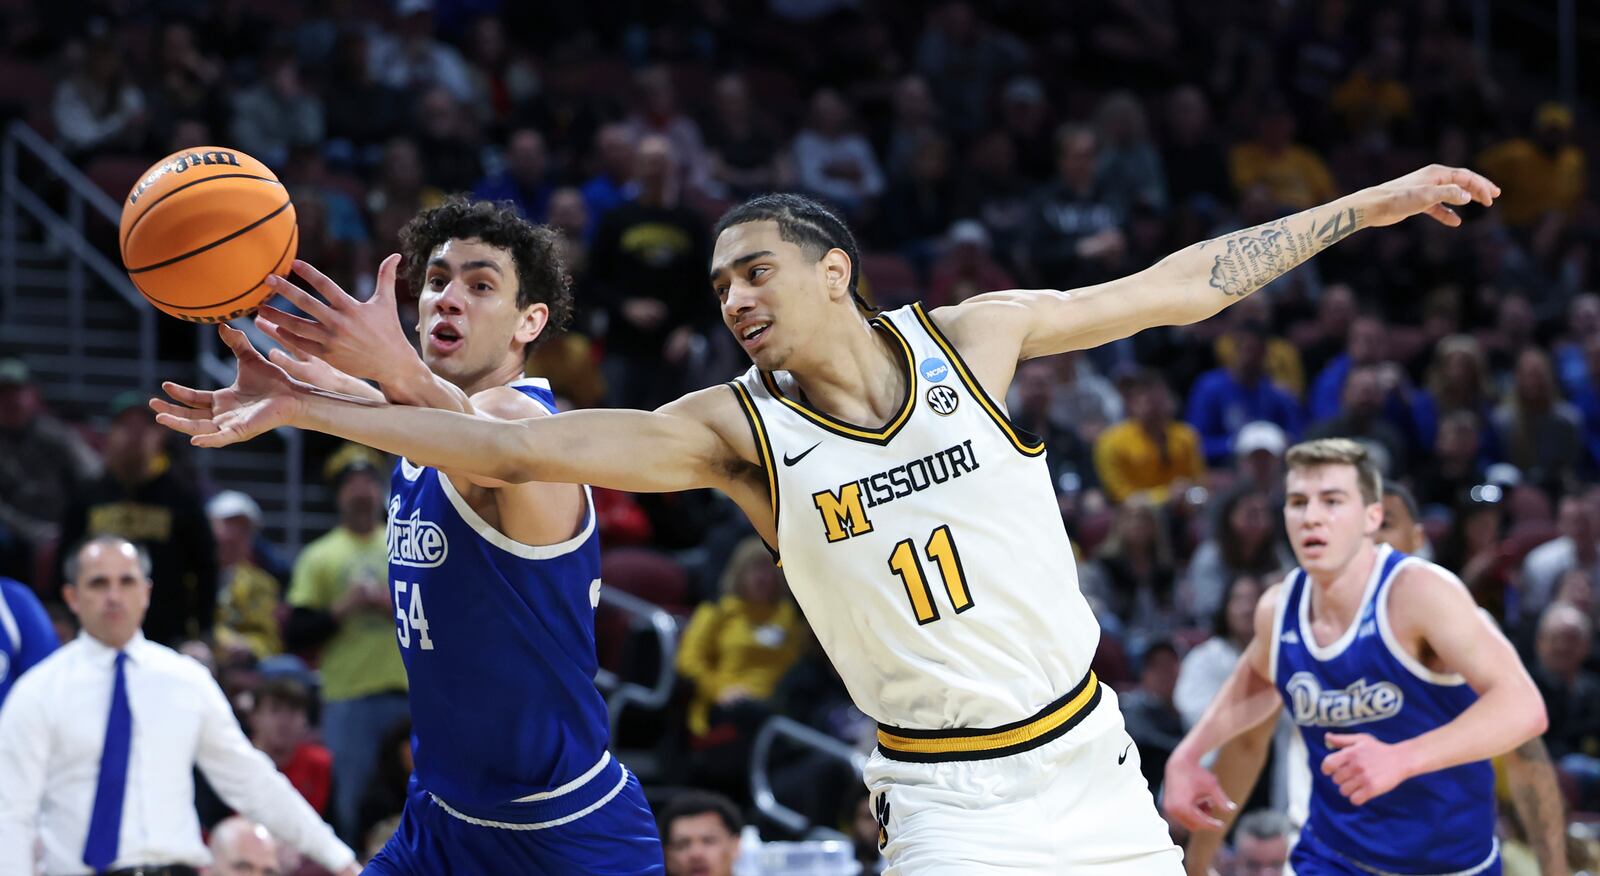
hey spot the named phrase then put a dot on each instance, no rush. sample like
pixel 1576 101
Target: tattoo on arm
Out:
pixel 1536 799
pixel 1256 256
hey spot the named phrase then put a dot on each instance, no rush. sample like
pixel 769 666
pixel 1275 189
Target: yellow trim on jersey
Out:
pixel 992 409
pixel 1049 724
pixel 763 447
pixel 851 430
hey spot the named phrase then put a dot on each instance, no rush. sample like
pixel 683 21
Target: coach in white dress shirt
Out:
pixel 98 745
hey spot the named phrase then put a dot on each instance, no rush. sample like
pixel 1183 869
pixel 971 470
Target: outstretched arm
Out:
pixel 684 445
pixel 1432 611
pixel 1191 793
pixel 1200 280
pixel 1237 768
pixel 1537 800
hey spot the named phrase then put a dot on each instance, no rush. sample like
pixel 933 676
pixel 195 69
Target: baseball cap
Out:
pixel 351 458
pixel 1260 435
pixel 14 372
pixel 232 503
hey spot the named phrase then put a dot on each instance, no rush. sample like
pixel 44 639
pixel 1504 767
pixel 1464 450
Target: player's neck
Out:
pixel 504 373
pixel 860 379
pixel 1338 595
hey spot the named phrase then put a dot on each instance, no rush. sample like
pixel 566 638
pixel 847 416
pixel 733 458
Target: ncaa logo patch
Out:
pixel 943 400
pixel 934 369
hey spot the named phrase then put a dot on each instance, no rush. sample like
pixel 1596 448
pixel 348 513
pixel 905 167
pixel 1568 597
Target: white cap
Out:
pixel 232 503
pixel 1260 435
pixel 969 231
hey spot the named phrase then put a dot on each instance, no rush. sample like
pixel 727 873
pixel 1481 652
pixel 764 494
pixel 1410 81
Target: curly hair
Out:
pixel 535 251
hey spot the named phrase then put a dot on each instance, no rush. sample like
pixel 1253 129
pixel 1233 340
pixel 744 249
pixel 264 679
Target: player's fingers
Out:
pixel 1341 740
pixel 331 291
pixel 1483 189
pixel 302 346
pixel 192 428
pixel 387 271
pixel 162 406
pixel 281 319
pixel 1447 194
pixel 238 343
pixel 1444 215
pixel 319 309
pixel 198 398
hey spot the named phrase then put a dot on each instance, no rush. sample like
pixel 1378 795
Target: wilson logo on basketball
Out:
pixel 181 164
pixel 416 542
pixel 1360 703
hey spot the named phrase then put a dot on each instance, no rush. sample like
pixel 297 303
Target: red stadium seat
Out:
pixel 650 575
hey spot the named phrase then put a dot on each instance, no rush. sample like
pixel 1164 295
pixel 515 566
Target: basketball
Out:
pixel 201 231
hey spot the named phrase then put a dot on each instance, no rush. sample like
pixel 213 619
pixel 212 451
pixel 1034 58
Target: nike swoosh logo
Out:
pixel 791 460
pixel 1124 755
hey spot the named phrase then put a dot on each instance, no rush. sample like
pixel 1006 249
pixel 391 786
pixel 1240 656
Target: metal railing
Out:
pixel 761 782
pixel 88 269
pixel 622 693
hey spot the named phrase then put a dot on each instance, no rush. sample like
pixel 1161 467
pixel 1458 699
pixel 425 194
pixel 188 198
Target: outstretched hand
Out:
pixel 262 397
pixel 363 339
pixel 1433 190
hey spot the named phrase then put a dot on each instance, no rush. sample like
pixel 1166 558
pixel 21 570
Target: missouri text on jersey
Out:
pixel 844 510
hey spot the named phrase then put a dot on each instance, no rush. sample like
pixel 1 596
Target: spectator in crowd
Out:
pixel 1577 547
pixel 649 261
pixel 98 107
pixel 992 192
pixel 188 84
pixel 1364 346
pixel 834 162
pixel 504 78
pixel 142 499
pixel 1283 365
pixel 1473 547
pixel 1208 664
pixel 1325 338
pixel 742 154
pixel 1571 695
pixel 447 139
pixel 700 832
pixel 26 634
pixel 248 598
pixel 241 847
pixel 656 113
pixel 1133 579
pixel 1074 236
pixel 1025 119
pixel 1541 174
pixel 1245 541
pixel 1128 168
pixel 525 181
pixel 1261 844
pixel 1542 434
pixel 1374 100
pixel 1456 463
pixel 417 59
pixel 401 188
pixel 1361 418
pixel 1569 352
pixel 1196 169
pixel 120 799
pixel 1151 453
pixel 920 202
pixel 614 166
pixel 915 116
pixel 1258 456
pixel 1080 397
pixel 1508 334
pixel 362 110
pixel 1148 710
pixel 280 726
pixel 1032 392
pixel 964 59
pixel 278 113
pixel 42 464
pixel 384 795
pixel 1295 176
pixel 1223 400
pixel 966 267
pixel 341 583
pixel 1457 380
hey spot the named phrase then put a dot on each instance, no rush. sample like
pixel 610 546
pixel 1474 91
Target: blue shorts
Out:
pixel 615 839
pixel 1312 858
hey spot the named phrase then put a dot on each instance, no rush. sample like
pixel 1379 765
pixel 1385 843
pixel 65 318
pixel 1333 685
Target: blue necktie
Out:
pixel 100 849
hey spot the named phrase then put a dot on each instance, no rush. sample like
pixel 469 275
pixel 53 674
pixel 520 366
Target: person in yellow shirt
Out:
pixel 738 647
pixel 1283 358
pixel 248 596
pixel 1374 97
pixel 1149 453
pixel 1542 174
pixel 1294 176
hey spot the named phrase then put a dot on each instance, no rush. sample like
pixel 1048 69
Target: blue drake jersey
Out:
pixel 498 643
pixel 26 635
pixel 1365 682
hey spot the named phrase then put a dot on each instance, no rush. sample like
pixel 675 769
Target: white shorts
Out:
pixel 1077 805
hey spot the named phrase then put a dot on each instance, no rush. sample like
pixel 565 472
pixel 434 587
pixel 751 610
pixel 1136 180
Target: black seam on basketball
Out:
pixel 294 233
pixel 191 184
pixel 215 243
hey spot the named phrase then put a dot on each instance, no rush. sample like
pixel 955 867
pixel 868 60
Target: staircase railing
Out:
pixel 761 782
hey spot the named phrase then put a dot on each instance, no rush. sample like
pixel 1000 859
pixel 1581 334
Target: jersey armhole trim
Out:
pixel 1281 612
pixel 1015 435
pixel 505 542
pixel 758 430
pixel 1398 651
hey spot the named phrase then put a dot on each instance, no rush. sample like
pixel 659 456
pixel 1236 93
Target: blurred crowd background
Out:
pixel 973 147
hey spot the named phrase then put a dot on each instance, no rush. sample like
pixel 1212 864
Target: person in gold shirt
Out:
pixel 247 601
pixel 738 647
pixel 1541 174
pixel 1295 177
pixel 1150 452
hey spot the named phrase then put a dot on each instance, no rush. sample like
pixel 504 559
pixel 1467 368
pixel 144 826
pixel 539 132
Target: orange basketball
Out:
pixel 201 231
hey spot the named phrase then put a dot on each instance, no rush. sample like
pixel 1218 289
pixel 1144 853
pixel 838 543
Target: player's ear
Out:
pixel 836 273
pixel 1374 517
pixel 534 318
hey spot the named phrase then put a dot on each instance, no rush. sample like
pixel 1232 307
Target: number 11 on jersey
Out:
pixel 941 549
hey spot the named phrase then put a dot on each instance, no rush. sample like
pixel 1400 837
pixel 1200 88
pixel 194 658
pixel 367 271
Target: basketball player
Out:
pixel 1400 687
pixel 1534 790
pixel 494 584
pixel 918 528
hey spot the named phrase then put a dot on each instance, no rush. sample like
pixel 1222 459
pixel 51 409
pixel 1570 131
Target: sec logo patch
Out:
pixel 943 400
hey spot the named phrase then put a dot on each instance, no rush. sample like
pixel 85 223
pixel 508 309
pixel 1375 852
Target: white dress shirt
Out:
pixel 53 728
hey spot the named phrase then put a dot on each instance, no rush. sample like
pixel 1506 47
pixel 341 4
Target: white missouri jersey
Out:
pixel 930 557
